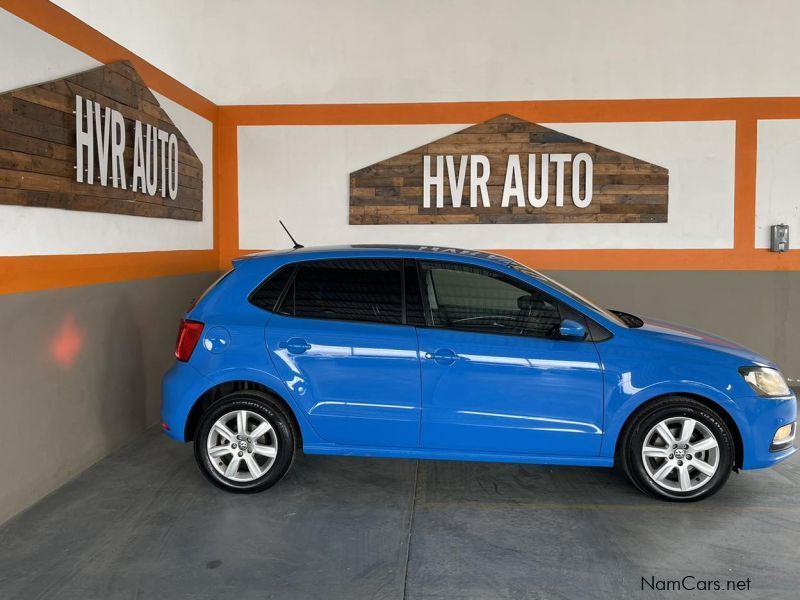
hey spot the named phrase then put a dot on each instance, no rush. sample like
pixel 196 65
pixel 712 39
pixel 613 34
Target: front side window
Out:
pixel 477 299
pixel 611 316
pixel 346 290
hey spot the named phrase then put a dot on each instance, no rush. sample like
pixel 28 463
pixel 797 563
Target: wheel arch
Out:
pixel 718 408
pixel 221 389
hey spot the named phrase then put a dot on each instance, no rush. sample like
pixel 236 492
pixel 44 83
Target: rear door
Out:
pixel 339 341
pixel 496 375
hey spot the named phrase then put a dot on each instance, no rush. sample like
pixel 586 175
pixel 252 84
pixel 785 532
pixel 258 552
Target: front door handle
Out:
pixel 295 345
pixel 443 356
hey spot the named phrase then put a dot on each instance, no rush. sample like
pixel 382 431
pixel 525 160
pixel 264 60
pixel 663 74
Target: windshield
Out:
pixel 567 292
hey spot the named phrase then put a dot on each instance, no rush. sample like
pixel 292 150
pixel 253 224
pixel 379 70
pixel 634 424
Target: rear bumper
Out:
pixel 764 416
pixel 181 387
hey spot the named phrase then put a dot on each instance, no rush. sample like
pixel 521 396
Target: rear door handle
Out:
pixel 443 356
pixel 295 345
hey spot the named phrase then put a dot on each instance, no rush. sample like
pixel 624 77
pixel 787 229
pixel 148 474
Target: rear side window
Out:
pixel 347 290
pixel 267 295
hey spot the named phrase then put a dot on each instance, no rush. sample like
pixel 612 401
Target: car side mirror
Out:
pixel 572 330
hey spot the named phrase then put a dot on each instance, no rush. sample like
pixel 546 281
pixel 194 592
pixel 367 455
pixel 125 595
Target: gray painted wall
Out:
pixel 759 309
pixel 60 416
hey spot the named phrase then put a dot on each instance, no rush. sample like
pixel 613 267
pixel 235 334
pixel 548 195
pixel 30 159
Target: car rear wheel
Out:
pixel 679 450
pixel 245 442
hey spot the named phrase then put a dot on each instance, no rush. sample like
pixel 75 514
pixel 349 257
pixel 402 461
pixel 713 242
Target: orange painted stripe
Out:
pixel 645 260
pixel 69 29
pixel 745 111
pixel 227 175
pixel 744 210
pixel 32 273
pixel 542 111
pixel 656 260
pixel 215 156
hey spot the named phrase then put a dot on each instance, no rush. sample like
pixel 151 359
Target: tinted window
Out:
pixel 568 292
pixel 349 290
pixel 268 293
pixel 415 314
pixel 477 299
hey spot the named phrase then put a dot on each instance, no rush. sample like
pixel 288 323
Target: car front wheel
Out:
pixel 678 450
pixel 245 442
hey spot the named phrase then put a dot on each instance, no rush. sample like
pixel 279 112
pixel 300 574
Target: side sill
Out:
pixel 437 454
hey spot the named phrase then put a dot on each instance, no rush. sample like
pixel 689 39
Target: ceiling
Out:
pixel 300 51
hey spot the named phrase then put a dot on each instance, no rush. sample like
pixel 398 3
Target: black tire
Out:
pixel 641 427
pixel 268 408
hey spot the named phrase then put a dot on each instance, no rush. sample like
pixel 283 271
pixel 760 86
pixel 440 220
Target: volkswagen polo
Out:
pixel 441 353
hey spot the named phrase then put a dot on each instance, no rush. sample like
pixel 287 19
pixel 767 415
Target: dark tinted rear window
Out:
pixel 267 295
pixel 348 290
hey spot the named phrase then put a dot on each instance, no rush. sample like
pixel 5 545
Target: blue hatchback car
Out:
pixel 441 353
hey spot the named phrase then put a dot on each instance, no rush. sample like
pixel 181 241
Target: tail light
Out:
pixel 188 336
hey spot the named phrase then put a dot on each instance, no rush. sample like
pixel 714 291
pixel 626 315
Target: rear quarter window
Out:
pixel 266 296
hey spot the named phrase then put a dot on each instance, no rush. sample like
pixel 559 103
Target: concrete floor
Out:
pixel 143 523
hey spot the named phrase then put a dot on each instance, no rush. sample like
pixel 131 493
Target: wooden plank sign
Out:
pixel 507 170
pixel 97 141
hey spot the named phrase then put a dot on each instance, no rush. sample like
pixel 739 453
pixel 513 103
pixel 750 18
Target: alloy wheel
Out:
pixel 680 454
pixel 242 445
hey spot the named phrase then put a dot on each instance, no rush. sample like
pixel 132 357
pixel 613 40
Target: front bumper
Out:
pixel 181 387
pixel 762 417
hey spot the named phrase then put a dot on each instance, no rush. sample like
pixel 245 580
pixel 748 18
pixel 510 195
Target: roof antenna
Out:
pixel 294 241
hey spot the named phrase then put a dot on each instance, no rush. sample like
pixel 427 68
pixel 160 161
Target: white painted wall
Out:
pixel 29 56
pixel 317 51
pixel 413 50
pixel 778 180
pixel 300 174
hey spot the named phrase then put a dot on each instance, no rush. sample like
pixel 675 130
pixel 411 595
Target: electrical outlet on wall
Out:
pixel 779 238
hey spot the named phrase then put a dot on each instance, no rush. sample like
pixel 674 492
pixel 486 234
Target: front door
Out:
pixel 338 341
pixel 496 376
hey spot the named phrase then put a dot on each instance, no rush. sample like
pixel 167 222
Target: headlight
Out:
pixel 765 381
